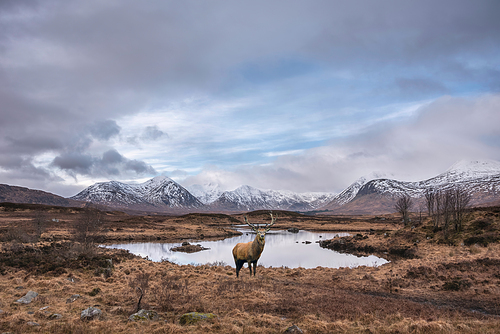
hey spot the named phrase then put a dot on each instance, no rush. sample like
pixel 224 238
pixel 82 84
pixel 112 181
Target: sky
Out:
pixel 285 95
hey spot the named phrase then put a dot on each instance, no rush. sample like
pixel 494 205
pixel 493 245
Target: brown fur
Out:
pixel 249 252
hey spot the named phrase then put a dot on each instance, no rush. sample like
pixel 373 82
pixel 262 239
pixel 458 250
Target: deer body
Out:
pixel 250 252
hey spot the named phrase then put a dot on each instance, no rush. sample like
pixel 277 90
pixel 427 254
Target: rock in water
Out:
pixel 194 317
pixel 91 313
pixel 27 298
pixel 144 315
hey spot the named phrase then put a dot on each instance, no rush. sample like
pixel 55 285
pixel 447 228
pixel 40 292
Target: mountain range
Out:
pixel 372 194
pixel 162 194
pixel 481 179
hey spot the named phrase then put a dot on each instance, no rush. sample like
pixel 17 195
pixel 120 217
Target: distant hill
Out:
pixel 367 195
pixel 14 194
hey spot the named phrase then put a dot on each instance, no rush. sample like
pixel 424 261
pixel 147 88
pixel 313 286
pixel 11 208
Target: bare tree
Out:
pixel 448 206
pixel 462 200
pixel 39 223
pixel 88 226
pixel 403 206
pixel 430 201
pixel 438 207
pixel 447 209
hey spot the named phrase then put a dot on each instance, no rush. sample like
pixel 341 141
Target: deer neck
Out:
pixel 258 244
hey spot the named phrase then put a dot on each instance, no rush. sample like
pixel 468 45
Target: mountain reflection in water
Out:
pixel 282 249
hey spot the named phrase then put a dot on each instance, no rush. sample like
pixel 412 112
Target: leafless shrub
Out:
pixel 39 223
pixel 171 291
pixel 140 285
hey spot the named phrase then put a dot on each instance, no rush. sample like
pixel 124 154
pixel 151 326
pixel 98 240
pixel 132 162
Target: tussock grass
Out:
pixel 441 288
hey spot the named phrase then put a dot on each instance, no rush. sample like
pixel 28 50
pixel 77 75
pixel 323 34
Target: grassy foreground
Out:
pixel 431 285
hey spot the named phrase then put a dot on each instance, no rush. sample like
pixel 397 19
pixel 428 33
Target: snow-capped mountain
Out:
pixel 352 190
pixel 206 193
pixel 157 194
pixel 246 198
pixel 369 194
pixel 480 178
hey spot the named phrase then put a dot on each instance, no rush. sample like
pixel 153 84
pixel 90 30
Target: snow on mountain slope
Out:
pixel 248 198
pixel 350 192
pixel 157 193
pixel 474 176
pixel 162 193
pixel 206 193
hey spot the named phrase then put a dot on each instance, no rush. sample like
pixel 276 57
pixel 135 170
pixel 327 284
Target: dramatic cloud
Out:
pixel 104 130
pixel 296 95
pixel 111 164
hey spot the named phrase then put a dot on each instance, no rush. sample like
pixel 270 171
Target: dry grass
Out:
pixel 446 287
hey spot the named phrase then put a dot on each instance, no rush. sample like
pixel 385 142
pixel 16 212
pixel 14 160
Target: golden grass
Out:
pixel 446 287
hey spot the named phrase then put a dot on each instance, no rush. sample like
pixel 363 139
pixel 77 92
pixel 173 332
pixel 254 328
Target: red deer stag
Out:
pixel 250 252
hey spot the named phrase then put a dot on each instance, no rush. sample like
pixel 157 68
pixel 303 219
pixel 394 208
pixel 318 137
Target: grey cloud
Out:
pixel 74 163
pixel 112 163
pixel 34 143
pixel 105 129
pixel 152 133
pixel 140 167
pixel 21 169
pixel 112 157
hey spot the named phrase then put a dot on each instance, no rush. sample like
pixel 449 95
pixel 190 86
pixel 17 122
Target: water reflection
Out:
pixel 282 249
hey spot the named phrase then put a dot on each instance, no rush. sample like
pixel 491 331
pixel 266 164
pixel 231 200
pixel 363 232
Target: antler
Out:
pixel 252 226
pixel 273 220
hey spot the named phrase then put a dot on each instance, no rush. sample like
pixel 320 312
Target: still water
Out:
pixel 282 249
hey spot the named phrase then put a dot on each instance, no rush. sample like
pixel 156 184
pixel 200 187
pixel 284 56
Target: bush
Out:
pixel 457 284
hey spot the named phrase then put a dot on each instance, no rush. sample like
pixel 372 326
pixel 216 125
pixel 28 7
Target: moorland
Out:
pixel 437 281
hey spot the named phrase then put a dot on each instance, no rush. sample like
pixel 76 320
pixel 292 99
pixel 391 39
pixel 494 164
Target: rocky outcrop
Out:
pixel 194 317
pixel 144 315
pixel 28 298
pixel 294 330
pixel 91 313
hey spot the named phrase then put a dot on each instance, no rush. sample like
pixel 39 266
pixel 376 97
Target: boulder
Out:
pixel 55 316
pixel 194 317
pixel 143 315
pixel 32 323
pixel 72 298
pixel 293 230
pixel 27 298
pixel 294 330
pixel 91 313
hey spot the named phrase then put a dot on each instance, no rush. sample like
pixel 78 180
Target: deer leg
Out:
pixel 239 264
pixel 250 267
pixel 254 268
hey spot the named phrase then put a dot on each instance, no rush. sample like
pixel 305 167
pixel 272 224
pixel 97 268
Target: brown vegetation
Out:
pixel 435 283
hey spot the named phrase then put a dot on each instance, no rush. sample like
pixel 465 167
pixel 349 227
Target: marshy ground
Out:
pixel 433 284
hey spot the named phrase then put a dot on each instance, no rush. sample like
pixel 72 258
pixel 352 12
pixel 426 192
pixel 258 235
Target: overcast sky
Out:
pixel 292 95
